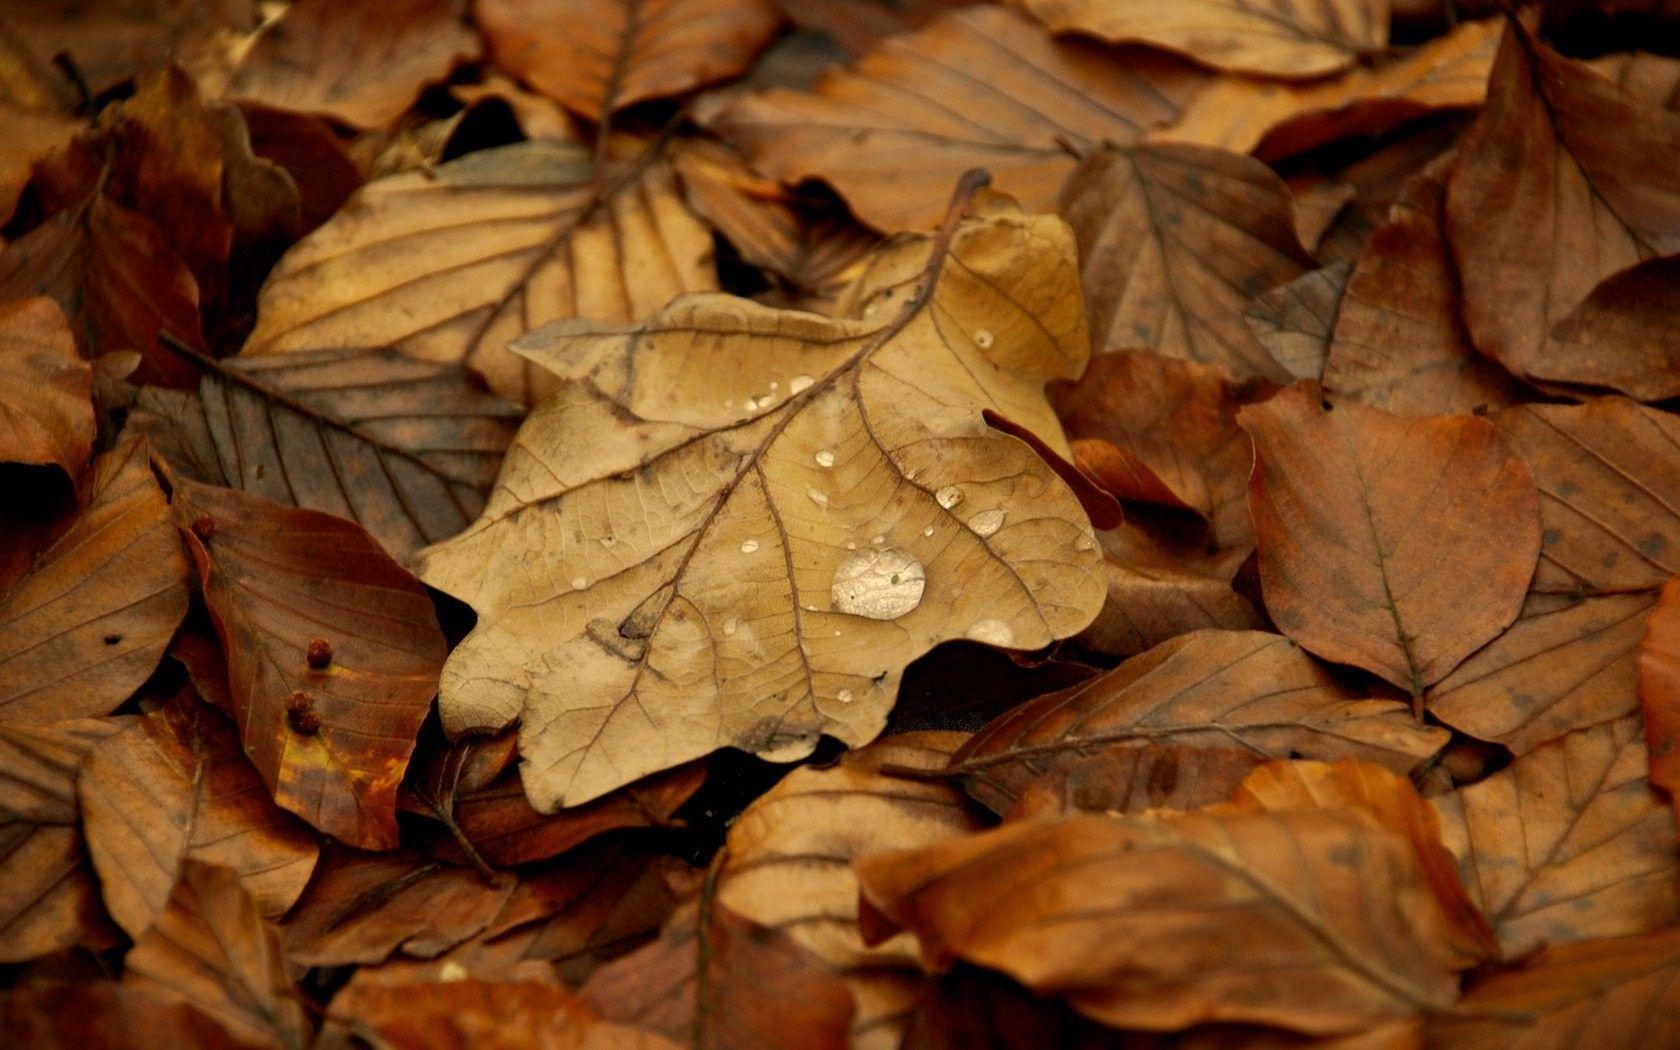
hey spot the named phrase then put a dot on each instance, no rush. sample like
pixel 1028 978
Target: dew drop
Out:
pixel 983 339
pixel 948 497
pixel 819 498
pixel 451 971
pixel 928 531
pixel 774 386
pixel 991 632
pixel 986 522
pixel 851 546
pixel 878 540
pixel 800 384
pixel 825 458
pixel 579 583
pixel 748 546
pixel 731 625
pixel 810 608
pixel 1084 543
pixel 750 405
pixel 844 696
pixel 869 311
pixel 881 583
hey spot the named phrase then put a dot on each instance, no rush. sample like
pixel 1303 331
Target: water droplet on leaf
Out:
pixel 748 546
pixel 986 522
pixel 948 497
pixel 992 632
pixel 825 458
pixel 983 339
pixel 880 583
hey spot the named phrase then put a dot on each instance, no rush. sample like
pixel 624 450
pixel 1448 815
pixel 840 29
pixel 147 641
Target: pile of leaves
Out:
pixel 821 523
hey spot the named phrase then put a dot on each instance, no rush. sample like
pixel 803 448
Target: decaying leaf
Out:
pixel 1659 691
pixel 1246 689
pixel 451 263
pixel 1174 241
pixel 1360 561
pixel 980 87
pixel 46 391
pixel 1569 842
pixel 333 653
pixel 1078 906
pixel 598 56
pixel 91 618
pixel 749 554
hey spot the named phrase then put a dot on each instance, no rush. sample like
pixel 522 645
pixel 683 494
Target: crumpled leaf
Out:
pixel 749 553
pixel 450 263
pixel 598 56
pixel 406 448
pixel 175 786
pixel 1331 898
pixel 1568 842
pixel 1659 691
pixel 1174 241
pixel 917 96
pixel 90 620
pixel 1281 38
pixel 333 653
pixel 212 950
pixel 1361 559
pixel 46 391
pixel 1245 689
pixel 362 64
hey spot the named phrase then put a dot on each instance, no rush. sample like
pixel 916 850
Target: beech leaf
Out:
pixel 46 391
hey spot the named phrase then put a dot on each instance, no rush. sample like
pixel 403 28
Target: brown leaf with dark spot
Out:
pixel 1659 691
pixel 1294 320
pixel 1135 778
pixel 46 391
pixel 331 741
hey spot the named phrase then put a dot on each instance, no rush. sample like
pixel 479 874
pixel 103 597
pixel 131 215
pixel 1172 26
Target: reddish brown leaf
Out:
pixel 1659 691
pixel 469 1014
pixel 46 391
pixel 1155 593
pixel 1294 320
pixel 333 654
pixel 91 619
pixel 1400 546
pixel 1136 778
pixel 54 1015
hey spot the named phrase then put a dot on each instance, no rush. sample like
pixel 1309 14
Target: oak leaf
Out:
pixel 917 95
pixel 333 652
pixel 46 391
pixel 1360 560
pixel 754 519
pixel 451 263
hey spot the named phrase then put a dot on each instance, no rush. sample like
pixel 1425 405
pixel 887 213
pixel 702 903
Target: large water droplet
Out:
pixel 948 497
pixel 748 546
pixel 992 632
pixel 882 583
pixel 986 522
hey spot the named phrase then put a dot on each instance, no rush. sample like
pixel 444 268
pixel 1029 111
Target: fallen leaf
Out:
pixel 1340 500
pixel 1230 688
pixel 1378 176
pixel 1284 38
pixel 827 529
pixel 92 617
pixel 306 148
pixel 1620 337
pixel 38 106
pixel 450 264
pixel 1568 842
pixel 46 391
pixel 212 950
pixel 362 64
pixel 917 95
pixel 109 42
pixel 1294 320
pixel 715 980
pixel 598 56
pixel 1174 241
pixel 1659 691
pixel 172 787
pixel 1552 193
pixel 1077 905
pixel 408 449
pixel 1135 778
pixel 1617 992
pixel 1156 593
pixel 59 1015
pixel 49 898
pixel 539 116
pixel 333 654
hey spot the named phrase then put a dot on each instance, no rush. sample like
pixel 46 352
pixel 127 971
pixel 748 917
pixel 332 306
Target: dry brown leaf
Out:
pixel 716 981
pixel 1294 320
pixel 1399 341
pixel 212 950
pixel 450 264
pixel 1378 177
pixel 1274 120
pixel 1659 691
pixel 1281 38
pixel 306 148
pixel 598 56
pixel 90 620
pixel 469 1014
pixel 1621 337
pixel 333 654
pixel 49 899
pixel 46 391
pixel 1319 922
pixel 1553 192
pixel 1243 688
pixel 109 41
pixel 1568 842
pixel 753 530
pixel 1564 665
pixel 175 786
pixel 1400 546
pixel 1136 778
pixel 917 97
pixel 59 1015
pixel 1174 241
pixel 1618 993
pixel 1156 593
pixel 37 105
pixel 1609 498
pixel 408 449
pixel 362 64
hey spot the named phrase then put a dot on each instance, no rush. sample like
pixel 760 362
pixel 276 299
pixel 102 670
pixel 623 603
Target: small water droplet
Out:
pixel 810 608
pixel 731 625
pixel 452 971
pixel 850 545
pixel 869 311
pixel 800 384
pixel 986 522
pixel 748 546
pixel 774 386
pixel 819 498
pixel 983 339
pixel 844 696
pixel 579 583
pixel 992 632
pixel 880 583
pixel 928 531
pixel 750 405
pixel 878 540
pixel 825 458
pixel 948 497
pixel 1084 543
